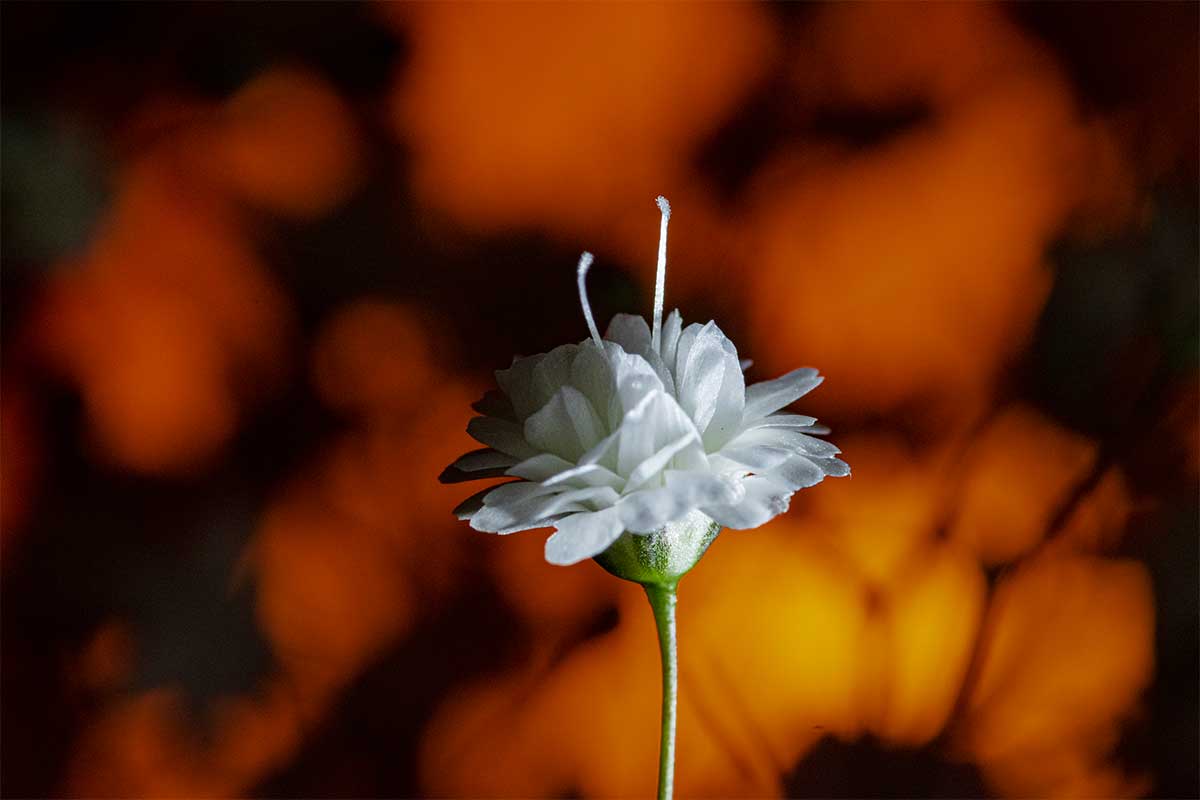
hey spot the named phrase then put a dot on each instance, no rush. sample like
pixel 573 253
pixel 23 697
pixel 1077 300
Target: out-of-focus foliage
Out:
pixel 259 259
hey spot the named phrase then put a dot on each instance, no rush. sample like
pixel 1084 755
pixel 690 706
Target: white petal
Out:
pixel 731 401
pixel 531 382
pixel 553 372
pixel 502 435
pixel 517 383
pixel 499 519
pixel 540 467
pixel 710 385
pixel 661 370
pixel 592 374
pixel 650 509
pixel 787 439
pixel 809 445
pixel 582 536
pixel 495 404
pixel 537 505
pixel 529 525
pixel 653 424
pixel 634 379
pixel 833 467
pixel 764 499
pixel 587 475
pixel 597 497
pixel 672 328
pixel 798 472
pixel 635 436
pixel 566 426
pixel 485 458
pixel 704 488
pixel 687 338
pixel 692 459
pixel 550 470
pixel 630 331
pixel 604 452
pixel 656 463
pixel 516 492
pixel 720 465
pixel 477 464
pixel 763 398
pixel 783 421
pixel 467 508
pixel 701 376
pixel 756 457
pixel 522 514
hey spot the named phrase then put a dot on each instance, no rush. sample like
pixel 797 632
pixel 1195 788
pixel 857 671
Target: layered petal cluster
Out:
pixel 626 434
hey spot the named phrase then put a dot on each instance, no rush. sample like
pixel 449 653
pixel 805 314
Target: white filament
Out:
pixel 660 275
pixel 585 263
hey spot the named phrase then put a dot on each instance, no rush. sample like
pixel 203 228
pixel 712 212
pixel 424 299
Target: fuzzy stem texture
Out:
pixel 662 602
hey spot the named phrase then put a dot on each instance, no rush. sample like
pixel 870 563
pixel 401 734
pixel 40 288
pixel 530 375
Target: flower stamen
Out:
pixel 585 263
pixel 660 275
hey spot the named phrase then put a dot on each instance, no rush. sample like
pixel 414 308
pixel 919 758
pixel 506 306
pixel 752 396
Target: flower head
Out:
pixel 649 426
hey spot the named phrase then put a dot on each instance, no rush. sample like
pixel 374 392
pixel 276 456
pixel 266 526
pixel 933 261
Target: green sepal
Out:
pixel 662 557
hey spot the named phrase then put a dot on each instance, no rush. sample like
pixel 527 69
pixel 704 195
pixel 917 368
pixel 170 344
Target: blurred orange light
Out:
pixel 287 141
pixel 567 116
pixel 1019 471
pixel 1070 648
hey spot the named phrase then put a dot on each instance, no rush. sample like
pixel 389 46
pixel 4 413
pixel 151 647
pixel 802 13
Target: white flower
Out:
pixel 637 430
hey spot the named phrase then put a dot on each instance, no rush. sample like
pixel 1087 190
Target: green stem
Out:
pixel 662 601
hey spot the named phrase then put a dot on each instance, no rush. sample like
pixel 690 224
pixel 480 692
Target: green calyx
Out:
pixel 662 557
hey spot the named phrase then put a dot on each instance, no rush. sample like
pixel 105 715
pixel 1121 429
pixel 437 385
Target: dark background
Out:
pixel 138 562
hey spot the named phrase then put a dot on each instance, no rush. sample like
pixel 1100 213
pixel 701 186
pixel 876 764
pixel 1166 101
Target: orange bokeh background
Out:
pixel 259 259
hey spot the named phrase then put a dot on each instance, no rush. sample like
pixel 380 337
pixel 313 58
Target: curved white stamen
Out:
pixel 585 263
pixel 660 275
